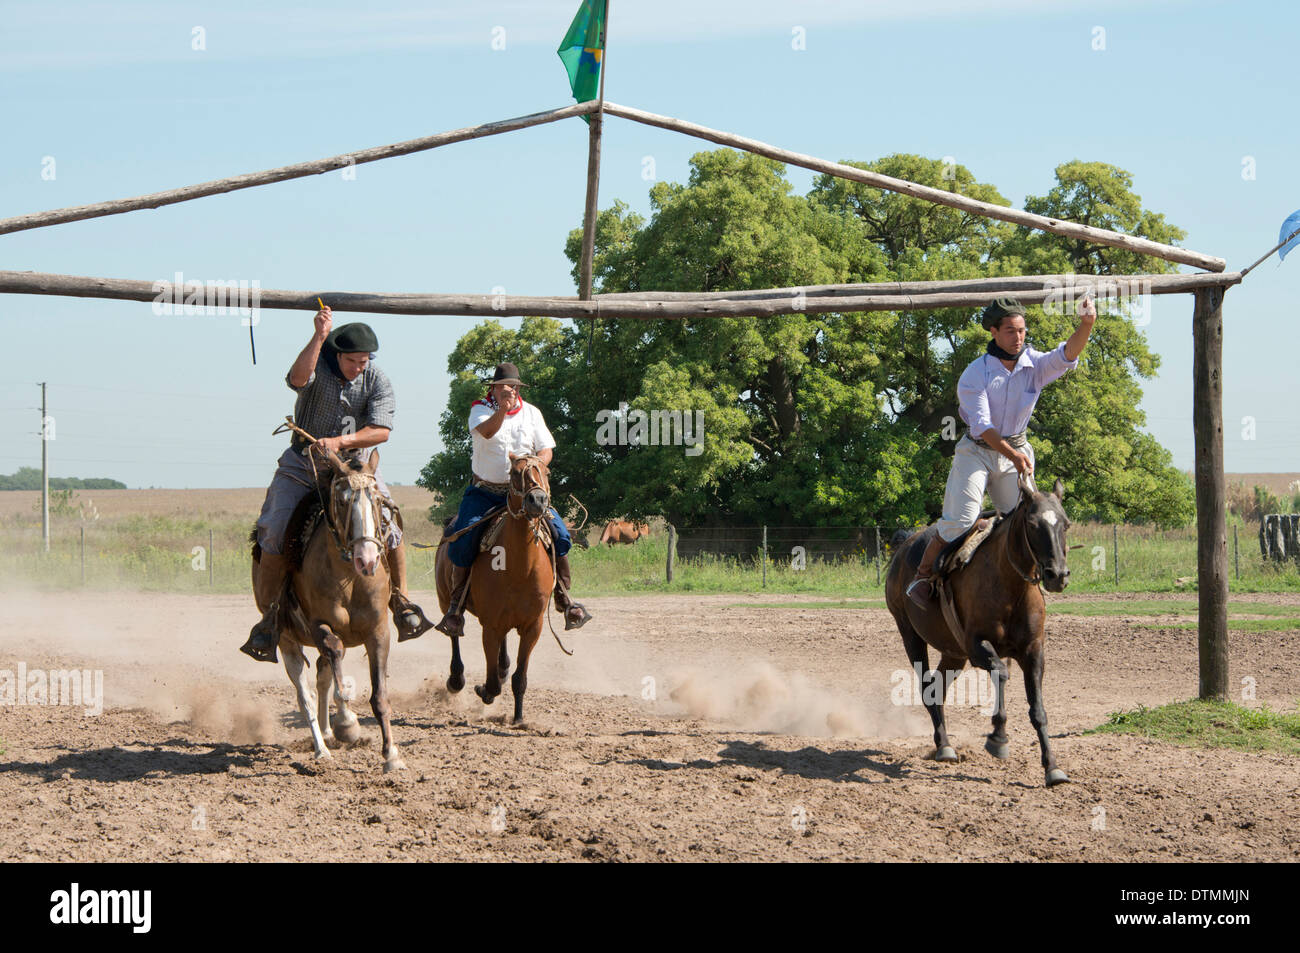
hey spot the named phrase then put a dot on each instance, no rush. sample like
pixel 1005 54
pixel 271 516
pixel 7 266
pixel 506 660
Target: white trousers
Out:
pixel 975 469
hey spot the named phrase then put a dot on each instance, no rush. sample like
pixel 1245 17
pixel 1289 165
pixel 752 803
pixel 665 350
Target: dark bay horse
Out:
pixel 510 584
pixel 1000 609
pixel 337 598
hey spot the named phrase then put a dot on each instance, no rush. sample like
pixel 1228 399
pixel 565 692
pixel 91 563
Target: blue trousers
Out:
pixel 473 505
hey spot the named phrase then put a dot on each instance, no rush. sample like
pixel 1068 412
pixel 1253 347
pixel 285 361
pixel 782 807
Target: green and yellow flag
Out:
pixel 582 50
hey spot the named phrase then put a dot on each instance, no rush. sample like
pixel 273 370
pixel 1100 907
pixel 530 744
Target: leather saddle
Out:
pixel 958 553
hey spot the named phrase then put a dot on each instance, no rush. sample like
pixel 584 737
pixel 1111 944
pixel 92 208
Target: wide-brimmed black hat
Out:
pixel 351 338
pixel 507 373
pixel 999 309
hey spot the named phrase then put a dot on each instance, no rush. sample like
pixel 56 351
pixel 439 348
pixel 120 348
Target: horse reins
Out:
pixel 358 481
pixel 533 463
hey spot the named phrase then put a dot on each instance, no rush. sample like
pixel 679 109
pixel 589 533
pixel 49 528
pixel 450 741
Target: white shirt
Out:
pixel 993 397
pixel 522 431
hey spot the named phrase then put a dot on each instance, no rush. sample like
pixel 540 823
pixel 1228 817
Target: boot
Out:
pixel 408 617
pixel 271 572
pixel 575 614
pixel 921 591
pixel 453 622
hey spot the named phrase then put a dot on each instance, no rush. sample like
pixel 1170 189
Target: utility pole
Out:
pixel 45 473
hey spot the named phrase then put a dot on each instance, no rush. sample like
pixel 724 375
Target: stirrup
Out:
pixel 452 624
pixel 410 618
pixel 576 623
pixel 261 646
pixel 915 594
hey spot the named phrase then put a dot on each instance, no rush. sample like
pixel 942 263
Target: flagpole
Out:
pixel 593 174
pixel 1258 261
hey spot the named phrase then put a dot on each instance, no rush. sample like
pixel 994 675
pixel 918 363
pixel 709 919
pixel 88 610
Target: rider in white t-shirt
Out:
pixel 502 424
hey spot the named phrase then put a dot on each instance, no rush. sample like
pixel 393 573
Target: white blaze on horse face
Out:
pixel 365 555
pixel 1049 518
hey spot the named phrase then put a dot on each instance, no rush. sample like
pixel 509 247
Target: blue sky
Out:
pixel 1184 96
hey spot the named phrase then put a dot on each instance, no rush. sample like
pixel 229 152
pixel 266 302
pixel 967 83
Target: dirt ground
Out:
pixel 683 728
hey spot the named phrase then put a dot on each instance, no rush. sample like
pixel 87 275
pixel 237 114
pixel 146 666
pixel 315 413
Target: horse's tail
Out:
pixel 257 547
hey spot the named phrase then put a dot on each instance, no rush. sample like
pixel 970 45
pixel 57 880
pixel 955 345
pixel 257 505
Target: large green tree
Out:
pixel 819 419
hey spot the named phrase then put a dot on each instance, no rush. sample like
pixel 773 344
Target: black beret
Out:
pixel 1000 309
pixel 351 338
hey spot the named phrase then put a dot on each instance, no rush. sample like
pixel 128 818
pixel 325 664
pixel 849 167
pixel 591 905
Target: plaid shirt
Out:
pixel 328 406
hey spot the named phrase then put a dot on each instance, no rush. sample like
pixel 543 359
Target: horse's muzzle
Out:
pixel 1054 581
pixel 535 503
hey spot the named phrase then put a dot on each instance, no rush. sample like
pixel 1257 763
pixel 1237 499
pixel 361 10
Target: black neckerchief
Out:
pixel 1001 354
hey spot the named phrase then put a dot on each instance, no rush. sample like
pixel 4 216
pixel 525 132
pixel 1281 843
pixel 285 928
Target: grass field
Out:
pixel 196 540
pixel 1211 724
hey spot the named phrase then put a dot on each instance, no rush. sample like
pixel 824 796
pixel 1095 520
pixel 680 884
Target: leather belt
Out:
pixel 1017 441
pixel 500 489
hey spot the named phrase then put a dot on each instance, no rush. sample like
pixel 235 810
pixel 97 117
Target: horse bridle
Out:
pixel 532 467
pixel 358 482
pixel 1033 556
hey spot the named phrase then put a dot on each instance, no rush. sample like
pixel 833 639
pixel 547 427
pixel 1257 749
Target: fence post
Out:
pixel 1115 533
pixel 877 555
pixel 764 555
pixel 672 549
pixel 211 557
pixel 1236 555
pixel 83 554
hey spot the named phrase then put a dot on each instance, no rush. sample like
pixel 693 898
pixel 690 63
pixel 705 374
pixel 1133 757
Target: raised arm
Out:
pixel 305 364
pixel 1087 316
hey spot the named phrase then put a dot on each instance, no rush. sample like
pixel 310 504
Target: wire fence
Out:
pixel 178 554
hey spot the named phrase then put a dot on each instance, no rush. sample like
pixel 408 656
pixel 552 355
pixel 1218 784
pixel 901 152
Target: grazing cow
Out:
pixel 623 531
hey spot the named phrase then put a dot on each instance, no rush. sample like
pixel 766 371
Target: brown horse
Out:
pixel 510 585
pixel 336 599
pixel 623 531
pixel 998 607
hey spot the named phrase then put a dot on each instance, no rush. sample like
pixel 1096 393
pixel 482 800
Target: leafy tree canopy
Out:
pixel 832 419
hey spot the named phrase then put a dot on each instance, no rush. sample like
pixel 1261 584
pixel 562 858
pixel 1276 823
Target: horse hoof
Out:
pixel 999 749
pixel 946 754
pixel 348 734
pixel 394 764
pixel 1057 776
pixel 484 697
pixel 455 683
pixel 324 755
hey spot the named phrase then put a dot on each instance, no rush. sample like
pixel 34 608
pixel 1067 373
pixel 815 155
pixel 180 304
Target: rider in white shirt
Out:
pixel 502 424
pixel 997 393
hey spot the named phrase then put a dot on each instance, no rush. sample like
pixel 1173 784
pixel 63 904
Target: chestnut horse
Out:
pixel 337 599
pixel 510 585
pixel 1000 610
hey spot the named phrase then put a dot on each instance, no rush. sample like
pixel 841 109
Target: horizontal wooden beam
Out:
pixel 1099 285
pixel 315 167
pixel 1096 236
pixel 921 296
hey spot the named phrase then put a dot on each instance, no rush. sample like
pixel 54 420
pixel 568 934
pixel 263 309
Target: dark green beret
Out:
pixel 1000 309
pixel 351 338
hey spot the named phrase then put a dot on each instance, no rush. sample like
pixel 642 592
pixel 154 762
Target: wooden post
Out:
pixel 672 549
pixel 45 473
pixel 877 555
pixel 1211 495
pixel 593 174
pixel 1236 554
